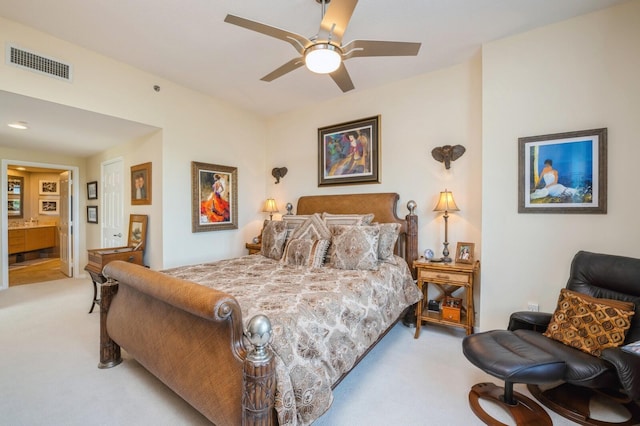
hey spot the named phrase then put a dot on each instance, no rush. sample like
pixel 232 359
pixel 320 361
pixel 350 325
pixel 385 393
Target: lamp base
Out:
pixel 445 250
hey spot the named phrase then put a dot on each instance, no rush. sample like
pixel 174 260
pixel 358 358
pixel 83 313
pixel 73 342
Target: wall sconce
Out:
pixel 270 207
pixel 279 172
pixel 446 204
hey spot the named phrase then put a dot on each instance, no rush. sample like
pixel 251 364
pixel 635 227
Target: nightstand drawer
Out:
pixel 444 276
pixel 254 248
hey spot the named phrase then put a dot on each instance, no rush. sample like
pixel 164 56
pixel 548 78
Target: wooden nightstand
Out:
pixel 254 248
pixel 448 277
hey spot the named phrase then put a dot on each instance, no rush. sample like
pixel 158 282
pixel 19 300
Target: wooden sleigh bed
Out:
pixel 194 339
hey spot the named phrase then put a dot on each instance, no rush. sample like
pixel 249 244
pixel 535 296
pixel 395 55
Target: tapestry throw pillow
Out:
pixel 313 228
pixel 387 241
pixel 305 252
pixel 347 219
pixel 588 323
pixel 274 235
pixel 354 247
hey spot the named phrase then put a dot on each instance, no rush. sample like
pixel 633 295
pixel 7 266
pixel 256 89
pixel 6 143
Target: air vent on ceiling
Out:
pixel 38 63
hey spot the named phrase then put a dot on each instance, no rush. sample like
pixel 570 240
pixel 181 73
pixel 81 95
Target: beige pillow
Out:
pixel 313 228
pixel 588 323
pixel 305 252
pixel 354 247
pixel 387 241
pixel 347 219
pixel 274 235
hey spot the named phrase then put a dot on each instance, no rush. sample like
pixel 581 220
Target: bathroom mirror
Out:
pixel 15 197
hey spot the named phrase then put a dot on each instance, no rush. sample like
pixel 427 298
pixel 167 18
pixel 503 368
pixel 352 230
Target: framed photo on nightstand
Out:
pixel 464 252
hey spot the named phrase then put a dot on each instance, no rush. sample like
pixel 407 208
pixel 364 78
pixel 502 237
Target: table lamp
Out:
pixel 446 205
pixel 270 207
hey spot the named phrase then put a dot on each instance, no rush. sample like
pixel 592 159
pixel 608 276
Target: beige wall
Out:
pixel 417 115
pixel 142 150
pixel 576 75
pixel 194 127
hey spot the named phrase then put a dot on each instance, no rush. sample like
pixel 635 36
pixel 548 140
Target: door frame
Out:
pixel 4 219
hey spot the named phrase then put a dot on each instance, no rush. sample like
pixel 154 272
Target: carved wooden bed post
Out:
pixel 258 375
pixel 109 350
pixel 412 237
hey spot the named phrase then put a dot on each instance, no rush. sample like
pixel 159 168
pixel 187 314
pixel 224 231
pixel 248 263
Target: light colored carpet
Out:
pixel 49 375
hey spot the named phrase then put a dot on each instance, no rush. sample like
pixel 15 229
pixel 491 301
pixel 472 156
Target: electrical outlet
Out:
pixel 533 307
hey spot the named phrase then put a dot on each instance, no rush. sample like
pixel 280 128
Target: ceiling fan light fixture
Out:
pixel 323 58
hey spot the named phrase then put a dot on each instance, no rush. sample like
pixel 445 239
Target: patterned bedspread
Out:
pixel 323 319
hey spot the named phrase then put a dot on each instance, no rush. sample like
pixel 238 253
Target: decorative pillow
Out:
pixel 274 234
pixel 293 221
pixel 354 247
pixel 305 252
pixel 347 219
pixel 588 323
pixel 313 228
pixel 387 241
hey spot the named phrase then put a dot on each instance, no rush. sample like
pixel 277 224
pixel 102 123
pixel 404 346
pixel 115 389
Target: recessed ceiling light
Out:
pixel 21 125
pixel 21 169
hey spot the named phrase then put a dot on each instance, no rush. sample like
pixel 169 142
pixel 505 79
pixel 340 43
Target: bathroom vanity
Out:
pixel 30 238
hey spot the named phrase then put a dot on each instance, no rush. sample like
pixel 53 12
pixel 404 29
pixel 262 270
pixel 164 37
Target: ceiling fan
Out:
pixel 324 53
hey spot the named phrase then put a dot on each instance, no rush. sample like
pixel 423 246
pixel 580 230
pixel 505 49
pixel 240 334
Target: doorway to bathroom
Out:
pixel 38 240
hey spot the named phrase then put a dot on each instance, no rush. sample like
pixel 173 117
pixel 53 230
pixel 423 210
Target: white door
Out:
pixel 112 204
pixel 65 225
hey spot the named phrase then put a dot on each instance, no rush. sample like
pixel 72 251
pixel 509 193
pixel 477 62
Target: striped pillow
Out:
pixel 293 221
pixel 304 252
pixel 313 228
pixel 347 219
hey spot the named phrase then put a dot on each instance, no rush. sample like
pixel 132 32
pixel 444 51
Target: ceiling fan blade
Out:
pixel 296 40
pixel 362 48
pixel 342 78
pixel 288 67
pixel 339 13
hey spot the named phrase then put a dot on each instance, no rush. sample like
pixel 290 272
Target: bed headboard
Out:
pixel 383 206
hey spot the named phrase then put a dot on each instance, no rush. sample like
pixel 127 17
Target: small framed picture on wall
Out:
pixel 92 214
pixel 49 207
pixel 49 187
pixel 92 190
pixel 141 184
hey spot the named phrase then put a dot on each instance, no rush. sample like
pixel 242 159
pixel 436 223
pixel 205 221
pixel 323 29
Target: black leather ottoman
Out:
pixel 504 355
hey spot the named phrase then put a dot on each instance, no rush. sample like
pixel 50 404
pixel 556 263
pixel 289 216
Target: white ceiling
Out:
pixel 189 44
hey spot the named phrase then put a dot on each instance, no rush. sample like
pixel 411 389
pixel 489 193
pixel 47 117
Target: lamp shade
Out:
pixel 270 206
pixel 322 58
pixel 446 203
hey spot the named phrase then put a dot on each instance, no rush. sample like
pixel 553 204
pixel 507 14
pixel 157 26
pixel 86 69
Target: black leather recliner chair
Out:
pixel 524 355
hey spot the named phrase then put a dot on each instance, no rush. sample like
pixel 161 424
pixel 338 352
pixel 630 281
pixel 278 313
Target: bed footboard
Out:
pixel 109 350
pixel 191 338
